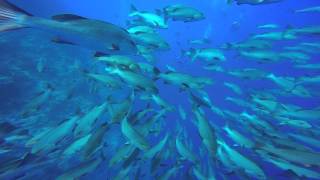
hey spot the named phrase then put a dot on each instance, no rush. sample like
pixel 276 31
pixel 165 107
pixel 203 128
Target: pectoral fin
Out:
pixel 67 17
pixel 62 41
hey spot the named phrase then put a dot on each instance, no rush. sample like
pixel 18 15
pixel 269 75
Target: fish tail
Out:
pixel 133 10
pixel 11 20
pixel 229 1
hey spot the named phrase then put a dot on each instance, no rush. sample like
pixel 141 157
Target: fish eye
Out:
pixel 132 43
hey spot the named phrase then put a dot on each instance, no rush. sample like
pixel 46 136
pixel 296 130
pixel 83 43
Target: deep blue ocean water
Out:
pixel 23 51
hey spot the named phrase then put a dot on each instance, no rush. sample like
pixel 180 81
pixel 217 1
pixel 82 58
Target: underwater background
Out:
pixel 59 121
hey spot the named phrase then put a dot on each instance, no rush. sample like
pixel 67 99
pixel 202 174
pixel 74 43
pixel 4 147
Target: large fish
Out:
pixel 71 29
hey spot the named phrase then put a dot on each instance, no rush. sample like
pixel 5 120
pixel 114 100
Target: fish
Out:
pixel 208 54
pixel 277 36
pixel 95 142
pixel 49 140
pixel 169 173
pixel 152 19
pixel 302 114
pixel 121 154
pixel 41 65
pixel 295 56
pixel 107 80
pixel 200 41
pixel 262 56
pixel 5 80
pixel 248 73
pixel 157 148
pixel 249 44
pixel 135 80
pixel 81 169
pixel 38 101
pixel 312 141
pixel 238 138
pixel 95 35
pixel 183 13
pixel 207 133
pixel 123 174
pixel 268 26
pixel 151 41
pixel 182 113
pixel 185 81
pixel 287 83
pixel 254 2
pixel 306 31
pixel 309 48
pixel 134 137
pixel 141 29
pixel 159 101
pixel 302 157
pixel 116 60
pixel 308 66
pixel 235 88
pixel 197 173
pixel 309 9
pixel 243 162
pixel 285 165
pixel 294 123
pixel 86 122
pixel 184 151
pixel 77 145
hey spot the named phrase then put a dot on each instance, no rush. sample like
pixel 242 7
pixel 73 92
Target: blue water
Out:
pixel 21 52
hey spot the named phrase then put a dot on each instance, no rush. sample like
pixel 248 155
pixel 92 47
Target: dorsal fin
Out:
pixel 9 5
pixel 67 17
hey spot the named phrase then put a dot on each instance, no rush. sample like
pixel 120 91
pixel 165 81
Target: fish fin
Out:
pixel 11 19
pixel 165 16
pixel 7 5
pixel 193 53
pixel 229 2
pixel 110 100
pixel 114 47
pixel 133 9
pixel 100 54
pixel 181 89
pixel 288 174
pixel 168 72
pixel 145 97
pixel 183 53
pixel 228 46
pixel 111 110
pixel 185 85
pixel 61 41
pixel 127 143
pixel 156 71
pixel 158 12
pixel 206 40
pixel 67 17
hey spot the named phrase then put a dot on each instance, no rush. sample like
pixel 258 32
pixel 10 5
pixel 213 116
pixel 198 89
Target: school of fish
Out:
pixel 109 114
